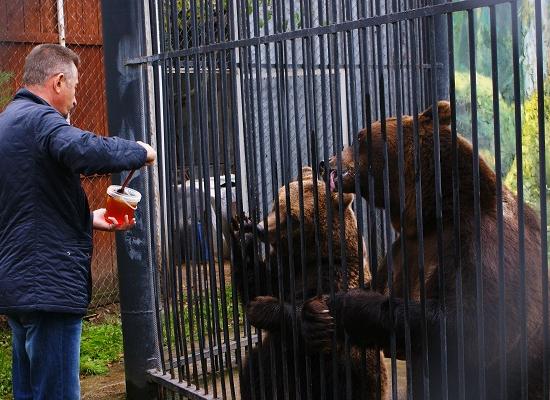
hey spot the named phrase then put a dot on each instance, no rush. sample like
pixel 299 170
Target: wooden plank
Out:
pixel 83 22
pixel 29 37
pixel 48 17
pixel 3 16
pixel 91 110
pixel 31 16
pixel 14 16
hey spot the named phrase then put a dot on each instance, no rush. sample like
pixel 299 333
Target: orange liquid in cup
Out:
pixel 119 205
pixel 118 209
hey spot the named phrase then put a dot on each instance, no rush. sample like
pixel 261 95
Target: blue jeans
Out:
pixel 46 355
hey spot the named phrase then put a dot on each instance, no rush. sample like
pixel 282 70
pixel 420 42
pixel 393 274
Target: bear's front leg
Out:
pixel 267 312
pixel 367 318
pixel 243 257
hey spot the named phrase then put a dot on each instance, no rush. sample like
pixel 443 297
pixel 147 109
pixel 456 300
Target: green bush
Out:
pixel 485 119
pixel 5 89
pixel 530 149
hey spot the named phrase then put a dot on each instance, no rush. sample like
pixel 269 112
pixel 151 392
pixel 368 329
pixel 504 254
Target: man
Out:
pixel 46 225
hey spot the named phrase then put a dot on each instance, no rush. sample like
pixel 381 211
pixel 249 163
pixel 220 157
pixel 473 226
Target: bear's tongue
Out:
pixel 333 181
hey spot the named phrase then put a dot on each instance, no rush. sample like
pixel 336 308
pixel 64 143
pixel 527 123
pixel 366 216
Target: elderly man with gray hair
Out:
pixel 46 224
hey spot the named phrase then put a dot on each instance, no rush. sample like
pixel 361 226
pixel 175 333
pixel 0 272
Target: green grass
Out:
pixel 205 314
pixel 5 364
pixel 101 346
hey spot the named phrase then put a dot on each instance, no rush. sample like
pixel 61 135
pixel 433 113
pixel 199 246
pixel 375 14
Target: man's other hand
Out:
pixel 151 153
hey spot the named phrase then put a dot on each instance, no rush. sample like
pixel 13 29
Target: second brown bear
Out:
pixel 281 355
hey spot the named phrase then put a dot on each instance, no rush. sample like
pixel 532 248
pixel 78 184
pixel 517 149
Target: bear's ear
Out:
pixel 443 113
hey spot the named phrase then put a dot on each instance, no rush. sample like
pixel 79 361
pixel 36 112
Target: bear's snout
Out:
pixel 329 175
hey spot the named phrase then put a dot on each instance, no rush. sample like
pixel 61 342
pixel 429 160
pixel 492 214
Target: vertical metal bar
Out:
pixel 324 128
pixel 542 192
pixel 521 219
pixel 275 187
pixel 190 240
pixel 401 172
pixel 197 252
pixel 456 216
pixel 371 218
pixel 477 213
pixel 224 108
pixel 287 168
pixel 312 150
pixel 215 149
pixel 417 93
pixel 251 165
pixel 401 169
pixel 324 65
pixel 166 290
pixel 299 163
pixel 278 23
pixel 234 72
pixel 386 189
pixel 172 277
pixel 434 80
pixel 166 286
pixel 157 100
pixel 500 225
pixel 334 60
pixel 176 260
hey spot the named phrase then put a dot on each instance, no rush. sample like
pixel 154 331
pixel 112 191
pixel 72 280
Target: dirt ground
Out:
pixel 105 387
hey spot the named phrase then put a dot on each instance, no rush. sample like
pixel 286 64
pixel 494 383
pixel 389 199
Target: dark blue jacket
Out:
pixel 45 221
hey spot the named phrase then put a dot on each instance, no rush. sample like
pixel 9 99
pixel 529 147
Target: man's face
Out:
pixel 65 91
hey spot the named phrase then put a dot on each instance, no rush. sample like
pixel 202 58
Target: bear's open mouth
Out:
pixel 332 181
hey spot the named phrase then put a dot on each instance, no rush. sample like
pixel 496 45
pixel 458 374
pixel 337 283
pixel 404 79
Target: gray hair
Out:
pixel 46 60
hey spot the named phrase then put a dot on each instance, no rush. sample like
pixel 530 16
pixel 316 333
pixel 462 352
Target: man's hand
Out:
pixel 101 224
pixel 151 153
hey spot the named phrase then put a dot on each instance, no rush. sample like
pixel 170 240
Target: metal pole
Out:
pixel 124 36
pixel 61 21
pixel 441 55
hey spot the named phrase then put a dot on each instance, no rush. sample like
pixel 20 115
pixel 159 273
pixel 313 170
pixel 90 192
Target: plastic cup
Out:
pixel 121 204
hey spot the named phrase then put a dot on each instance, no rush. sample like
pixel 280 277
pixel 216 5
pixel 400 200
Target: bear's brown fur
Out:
pixel 366 316
pixel 267 312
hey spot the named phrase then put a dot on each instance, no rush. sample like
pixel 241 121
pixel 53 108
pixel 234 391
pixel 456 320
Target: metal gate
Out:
pixel 246 93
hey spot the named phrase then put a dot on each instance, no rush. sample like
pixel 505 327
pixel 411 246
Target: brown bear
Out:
pixel 460 266
pixel 311 272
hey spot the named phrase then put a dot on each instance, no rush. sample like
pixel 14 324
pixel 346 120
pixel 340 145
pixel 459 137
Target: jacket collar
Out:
pixel 26 94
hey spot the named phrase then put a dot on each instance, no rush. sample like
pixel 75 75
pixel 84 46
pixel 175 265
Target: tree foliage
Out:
pixel 530 149
pixel 5 88
pixel 485 119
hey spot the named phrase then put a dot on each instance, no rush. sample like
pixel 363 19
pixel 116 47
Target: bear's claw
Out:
pixel 317 324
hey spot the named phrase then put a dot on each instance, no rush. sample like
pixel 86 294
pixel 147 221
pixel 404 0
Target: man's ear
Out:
pixel 57 82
